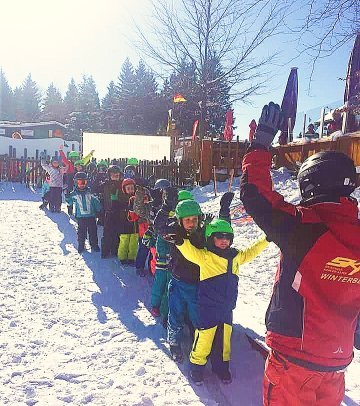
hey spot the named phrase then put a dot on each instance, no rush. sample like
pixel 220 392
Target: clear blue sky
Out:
pixel 57 40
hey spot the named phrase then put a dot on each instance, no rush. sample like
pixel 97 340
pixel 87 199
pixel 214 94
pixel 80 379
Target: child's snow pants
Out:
pixel 55 200
pixel 87 225
pixel 128 246
pixel 287 384
pixel 110 240
pixel 183 300
pixel 159 291
pixel 214 342
pixel 142 255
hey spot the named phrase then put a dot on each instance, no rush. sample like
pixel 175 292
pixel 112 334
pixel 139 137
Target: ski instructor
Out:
pixel 315 305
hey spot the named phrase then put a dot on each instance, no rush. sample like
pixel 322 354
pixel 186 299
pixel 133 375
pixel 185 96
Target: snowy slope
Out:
pixel 77 330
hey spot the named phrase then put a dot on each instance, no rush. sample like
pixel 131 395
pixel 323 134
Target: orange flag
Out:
pixel 178 98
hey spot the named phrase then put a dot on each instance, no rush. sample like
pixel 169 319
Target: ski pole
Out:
pixel 231 179
pixel 214 172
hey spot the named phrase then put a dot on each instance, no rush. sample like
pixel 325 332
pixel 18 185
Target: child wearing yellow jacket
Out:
pixel 218 289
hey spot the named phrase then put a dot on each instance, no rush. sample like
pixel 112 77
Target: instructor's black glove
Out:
pixel 225 203
pixel 269 124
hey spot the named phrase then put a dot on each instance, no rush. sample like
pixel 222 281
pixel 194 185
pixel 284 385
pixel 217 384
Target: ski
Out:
pixel 258 345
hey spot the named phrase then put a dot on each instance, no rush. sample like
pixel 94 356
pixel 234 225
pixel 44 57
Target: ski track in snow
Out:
pixel 76 329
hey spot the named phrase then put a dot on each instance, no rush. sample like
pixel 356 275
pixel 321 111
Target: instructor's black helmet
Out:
pixel 326 176
pixel 114 169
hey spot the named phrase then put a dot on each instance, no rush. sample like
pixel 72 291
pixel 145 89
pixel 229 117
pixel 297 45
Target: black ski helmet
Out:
pixel 80 176
pixel 162 184
pixel 113 169
pixel 326 176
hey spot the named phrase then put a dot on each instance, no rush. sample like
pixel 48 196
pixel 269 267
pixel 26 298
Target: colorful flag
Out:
pixel 195 126
pixel 178 98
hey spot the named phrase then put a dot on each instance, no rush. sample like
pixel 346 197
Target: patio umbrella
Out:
pixel 252 127
pixel 289 106
pixel 228 131
pixel 352 86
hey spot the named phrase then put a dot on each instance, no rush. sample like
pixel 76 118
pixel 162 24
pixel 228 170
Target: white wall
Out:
pixel 49 144
pixel 126 146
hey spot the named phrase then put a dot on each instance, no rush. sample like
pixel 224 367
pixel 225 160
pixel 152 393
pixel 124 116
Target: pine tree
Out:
pixel 88 117
pixel 53 108
pixel 6 99
pixel 149 111
pixel 218 98
pixel 18 104
pixel 126 92
pixel 109 109
pixel 31 99
pixel 71 99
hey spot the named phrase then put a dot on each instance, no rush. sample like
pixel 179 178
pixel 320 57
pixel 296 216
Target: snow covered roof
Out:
pixel 19 124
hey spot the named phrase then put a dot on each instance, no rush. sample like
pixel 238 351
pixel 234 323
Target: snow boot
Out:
pixel 224 376
pixel 155 311
pixel 197 377
pixel 176 353
pixel 70 210
pixel 81 248
pixel 131 262
pixel 140 272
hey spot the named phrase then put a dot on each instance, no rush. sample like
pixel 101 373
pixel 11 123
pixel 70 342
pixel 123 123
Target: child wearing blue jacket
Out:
pixel 87 206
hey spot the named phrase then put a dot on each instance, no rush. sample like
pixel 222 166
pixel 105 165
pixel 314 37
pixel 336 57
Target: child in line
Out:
pixel 56 174
pixel 217 295
pixel 142 207
pixel 87 206
pixel 110 191
pixel 45 192
pixel 128 230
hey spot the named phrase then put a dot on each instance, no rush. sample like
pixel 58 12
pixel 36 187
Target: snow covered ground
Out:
pixel 76 329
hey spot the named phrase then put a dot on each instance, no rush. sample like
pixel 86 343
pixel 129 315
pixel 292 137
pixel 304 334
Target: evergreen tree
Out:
pixel 6 99
pixel 18 104
pixel 218 98
pixel 53 108
pixel 71 99
pixel 109 109
pixel 126 92
pixel 88 117
pixel 31 99
pixel 149 111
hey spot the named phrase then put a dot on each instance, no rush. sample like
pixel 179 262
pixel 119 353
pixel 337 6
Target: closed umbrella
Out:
pixel 252 127
pixel 228 131
pixel 352 86
pixel 289 106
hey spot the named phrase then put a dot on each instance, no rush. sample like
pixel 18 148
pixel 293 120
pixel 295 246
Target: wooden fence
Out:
pixel 30 172
pixel 292 155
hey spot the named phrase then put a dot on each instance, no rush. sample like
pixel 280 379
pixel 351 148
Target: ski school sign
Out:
pixel 115 146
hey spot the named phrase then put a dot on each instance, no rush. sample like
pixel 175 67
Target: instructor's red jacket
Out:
pixel 315 303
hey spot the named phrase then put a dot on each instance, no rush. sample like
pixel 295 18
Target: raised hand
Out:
pixel 269 124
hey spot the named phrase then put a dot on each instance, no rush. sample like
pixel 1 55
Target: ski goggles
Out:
pixel 223 236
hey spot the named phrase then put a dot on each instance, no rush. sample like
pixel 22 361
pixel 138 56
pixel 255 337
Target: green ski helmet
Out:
pixel 79 163
pixel 74 154
pixel 218 226
pixel 132 161
pixel 103 163
pixel 185 195
pixel 187 208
